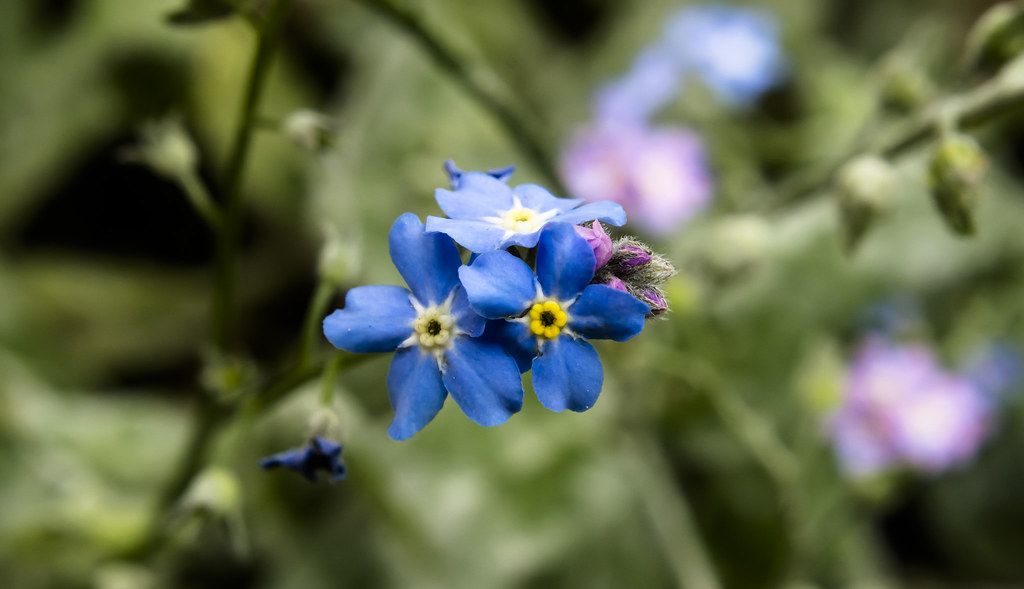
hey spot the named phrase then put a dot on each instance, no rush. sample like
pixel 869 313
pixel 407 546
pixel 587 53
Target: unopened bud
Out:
pixel 215 490
pixel 737 245
pixel 324 423
pixel 310 130
pixel 905 86
pixel 997 37
pixel 865 185
pixel 954 176
pixel 635 268
pixel 598 241
pixel 340 256
pixel 166 148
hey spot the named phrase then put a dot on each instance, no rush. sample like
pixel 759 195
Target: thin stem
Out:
pixel 227 244
pixel 200 199
pixel 671 515
pixel 331 370
pixel 311 326
pixel 996 98
pixel 519 128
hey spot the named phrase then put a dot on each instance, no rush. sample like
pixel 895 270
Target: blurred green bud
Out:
pixel 213 491
pixel 324 423
pixel 310 130
pixel 905 86
pixel 340 257
pixel 865 186
pixel 997 37
pixel 166 148
pixel 954 176
pixel 227 377
pixel 737 245
pixel 123 575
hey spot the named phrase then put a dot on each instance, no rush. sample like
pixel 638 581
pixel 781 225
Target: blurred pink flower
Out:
pixel 658 174
pixel 902 408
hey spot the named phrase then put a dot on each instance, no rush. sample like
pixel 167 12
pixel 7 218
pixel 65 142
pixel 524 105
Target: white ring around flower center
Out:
pixel 433 329
pixel 520 219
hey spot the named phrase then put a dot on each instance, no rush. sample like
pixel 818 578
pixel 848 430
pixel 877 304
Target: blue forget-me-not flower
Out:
pixel 552 313
pixel 455 174
pixel 433 332
pixel 487 214
pixel 319 454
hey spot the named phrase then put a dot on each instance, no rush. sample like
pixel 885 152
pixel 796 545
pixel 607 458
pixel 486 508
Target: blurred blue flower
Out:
pixel 432 331
pixel 734 50
pixel 455 174
pixel 902 408
pixel 995 368
pixel 486 214
pixel 318 454
pixel 550 315
pixel 651 83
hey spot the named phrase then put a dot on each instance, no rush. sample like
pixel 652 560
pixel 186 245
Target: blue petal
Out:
pixel 567 375
pixel 375 319
pixel 416 391
pixel 498 284
pixel 565 262
pixel 466 204
pixel 455 174
pixel 605 210
pixel 476 236
pixel 466 319
pixel 483 380
pixel 539 199
pixel 429 262
pixel 606 313
pixel 515 338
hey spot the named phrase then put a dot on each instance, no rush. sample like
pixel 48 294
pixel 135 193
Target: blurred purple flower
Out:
pixel 901 407
pixel 659 175
pixel 734 50
pixel 651 83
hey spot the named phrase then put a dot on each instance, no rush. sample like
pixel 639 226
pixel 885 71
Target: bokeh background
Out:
pixel 708 460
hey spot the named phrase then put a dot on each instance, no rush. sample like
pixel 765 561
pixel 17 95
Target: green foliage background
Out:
pixel 704 461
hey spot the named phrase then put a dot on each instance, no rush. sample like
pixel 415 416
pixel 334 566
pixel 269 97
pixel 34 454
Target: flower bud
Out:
pixel 598 241
pixel 166 148
pixel 905 86
pixel 736 246
pixel 865 185
pixel 997 37
pixel 310 130
pixel 340 257
pixel 324 423
pixel 215 490
pixel 636 269
pixel 954 176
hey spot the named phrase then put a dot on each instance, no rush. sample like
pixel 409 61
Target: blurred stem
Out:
pixel 519 128
pixel 994 99
pixel 200 199
pixel 223 316
pixel 671 515
pixel 330 378
pixel 314 315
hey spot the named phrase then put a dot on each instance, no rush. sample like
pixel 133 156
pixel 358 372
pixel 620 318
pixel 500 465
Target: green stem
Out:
pixel 200 199
pixel 330 378
pixel 311 326
pixel 671 515
pixel 999 97
pixel 227 244
pixel 519 128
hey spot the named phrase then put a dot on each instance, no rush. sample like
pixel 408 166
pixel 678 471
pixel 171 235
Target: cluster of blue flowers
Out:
pixel 470 330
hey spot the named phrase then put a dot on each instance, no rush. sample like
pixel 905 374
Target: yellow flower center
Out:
pixel 433 328
pixel 547 319
pixel 520 219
